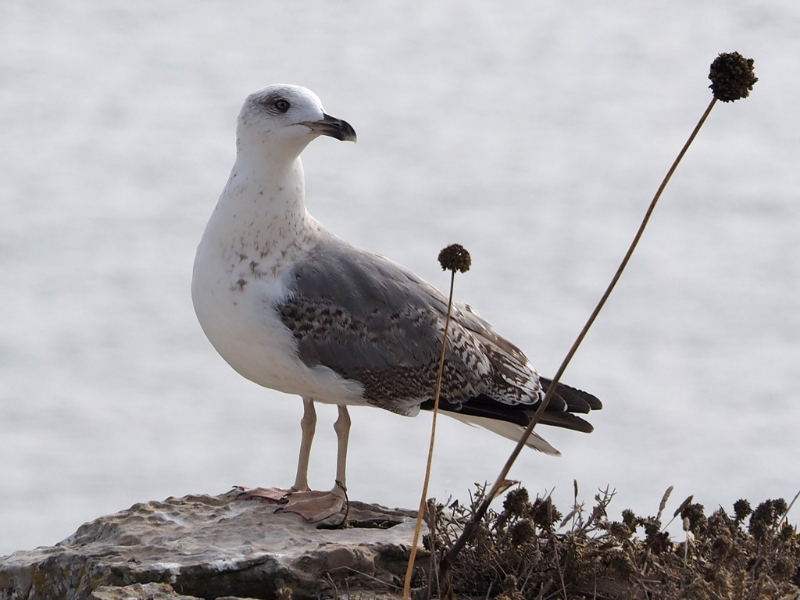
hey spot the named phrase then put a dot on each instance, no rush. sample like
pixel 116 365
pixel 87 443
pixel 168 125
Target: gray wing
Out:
pixel 371 320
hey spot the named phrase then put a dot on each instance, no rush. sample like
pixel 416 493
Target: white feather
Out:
pixel 512 431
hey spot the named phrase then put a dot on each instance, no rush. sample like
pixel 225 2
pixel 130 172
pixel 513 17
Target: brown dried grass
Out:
pixel 530 550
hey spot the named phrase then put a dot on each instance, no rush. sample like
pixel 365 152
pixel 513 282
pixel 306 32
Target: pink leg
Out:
pixel 308 425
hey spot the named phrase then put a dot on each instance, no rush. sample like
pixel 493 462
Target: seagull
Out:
pixel 294 308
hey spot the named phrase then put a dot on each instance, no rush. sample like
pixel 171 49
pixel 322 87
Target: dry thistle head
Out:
pixel 517 502
pixel 697 519
pixel 732 77
pixel 766 515
pixel 741 509
pixel 455 258
pixel 630 520
pixel 522 532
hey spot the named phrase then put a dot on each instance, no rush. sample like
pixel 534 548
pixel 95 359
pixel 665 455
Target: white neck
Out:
pixel 261 210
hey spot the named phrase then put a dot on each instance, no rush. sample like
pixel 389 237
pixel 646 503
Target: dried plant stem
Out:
pixel 423 499
pixel 470 527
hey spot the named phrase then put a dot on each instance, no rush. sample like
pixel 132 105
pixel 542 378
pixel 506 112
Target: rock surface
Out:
pixel 138 591
pixel 215 547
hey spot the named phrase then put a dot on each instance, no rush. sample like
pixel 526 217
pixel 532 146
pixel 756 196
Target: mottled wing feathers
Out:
pixel 371 320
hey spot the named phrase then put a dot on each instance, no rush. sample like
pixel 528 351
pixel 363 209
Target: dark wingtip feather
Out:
pixel 565 401
pixel 557 403
pixel 577 400
pixel 567 421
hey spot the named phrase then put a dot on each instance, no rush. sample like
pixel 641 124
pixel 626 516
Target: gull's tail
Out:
pixel 511 420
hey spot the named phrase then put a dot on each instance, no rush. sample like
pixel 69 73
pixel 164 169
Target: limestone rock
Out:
pixel 215 547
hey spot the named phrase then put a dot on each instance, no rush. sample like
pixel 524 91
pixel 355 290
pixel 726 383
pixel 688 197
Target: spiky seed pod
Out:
pixel 780 506
pixel 630 519
pixel 544 514
pixel 741 509
pixel 787 532
pixel 522 532
pixel 697 519
pixel 732 77
pixel 764 517
pixel 517 503
pixel 620 531
pixel 455 258
pixel 657 541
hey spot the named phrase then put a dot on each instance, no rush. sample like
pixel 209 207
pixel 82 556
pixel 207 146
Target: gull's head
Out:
pixel 288 117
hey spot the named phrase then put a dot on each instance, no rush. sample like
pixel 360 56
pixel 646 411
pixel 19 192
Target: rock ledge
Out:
pixel 215 547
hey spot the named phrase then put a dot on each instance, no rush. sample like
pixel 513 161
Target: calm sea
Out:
pixel 533 133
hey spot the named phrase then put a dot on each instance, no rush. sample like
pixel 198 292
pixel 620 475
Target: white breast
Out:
pixel 238 281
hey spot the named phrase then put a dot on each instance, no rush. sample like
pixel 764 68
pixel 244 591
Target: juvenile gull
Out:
pixel 292 307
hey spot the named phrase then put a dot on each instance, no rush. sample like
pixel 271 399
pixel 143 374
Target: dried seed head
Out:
pixel 764 517
pixel 664 499
pixel 544 514
pixel 683 505
pixel 780 506
pixel 630 520
pixel 741 508
pixel 620 531
pixel 517 502
pixel 455 258
pixel 732 77
pixel 522 532
pixel 687 524
pixel 787 532
pixel 697 519
pixel 657 541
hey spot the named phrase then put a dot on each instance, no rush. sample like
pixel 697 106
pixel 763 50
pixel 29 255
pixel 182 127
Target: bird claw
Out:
pixel 272 494
pixel 313 506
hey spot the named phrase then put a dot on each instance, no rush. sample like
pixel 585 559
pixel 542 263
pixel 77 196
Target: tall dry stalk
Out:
pixel 452 258
pixel 732 78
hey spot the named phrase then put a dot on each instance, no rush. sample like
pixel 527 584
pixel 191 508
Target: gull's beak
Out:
pixel 333 127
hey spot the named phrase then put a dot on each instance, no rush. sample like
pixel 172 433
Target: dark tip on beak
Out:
pixel 333 127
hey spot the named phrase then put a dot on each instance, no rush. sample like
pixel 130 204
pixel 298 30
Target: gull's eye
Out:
pixel 282 105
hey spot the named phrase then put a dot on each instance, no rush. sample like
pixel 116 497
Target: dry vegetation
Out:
pixel 531 550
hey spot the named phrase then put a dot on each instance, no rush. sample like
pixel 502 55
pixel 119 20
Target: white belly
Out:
pixel 238 316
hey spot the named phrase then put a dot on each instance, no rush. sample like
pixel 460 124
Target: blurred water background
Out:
pixel 533 133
